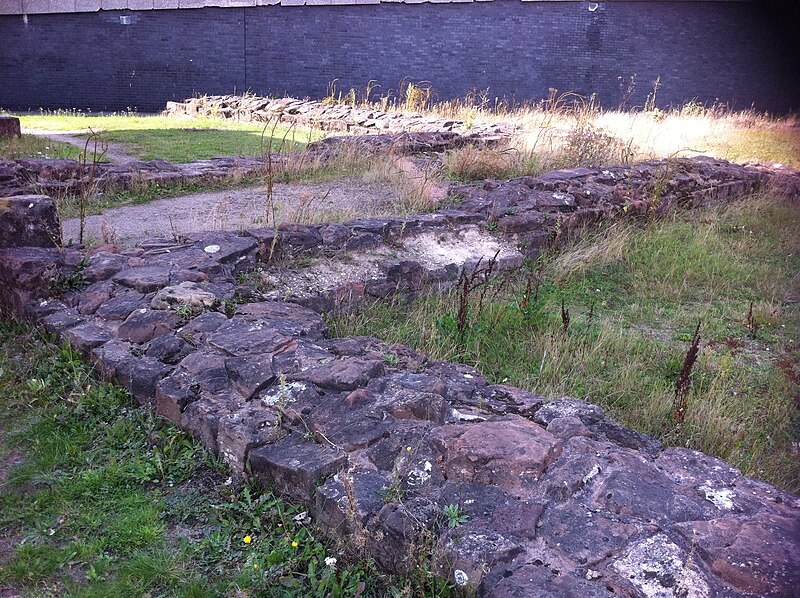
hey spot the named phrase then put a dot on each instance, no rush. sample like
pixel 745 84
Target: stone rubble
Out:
pixel 331 116
pixel 376 439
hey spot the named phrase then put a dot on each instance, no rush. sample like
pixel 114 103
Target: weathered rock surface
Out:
pixel 29 221
pixel 557 499
pixel 9 126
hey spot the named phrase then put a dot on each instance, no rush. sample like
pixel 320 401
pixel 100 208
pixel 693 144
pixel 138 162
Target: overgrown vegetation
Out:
pixel 634 295
pixel 566 130
pixel 33 146
pixel 101 498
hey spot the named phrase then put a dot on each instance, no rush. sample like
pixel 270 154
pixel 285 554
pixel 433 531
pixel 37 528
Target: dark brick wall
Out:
pixel 732 51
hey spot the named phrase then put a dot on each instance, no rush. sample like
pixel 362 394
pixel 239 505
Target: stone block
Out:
pixel 289 318
pixel 121 305
pixel 250 374
pixel 103 266
pixel 113 4
pixel 191 3
pixel 144 325
pixel 490 453
pixel 164 4
pixel 226 249
pixel 766 542
pixel 140 4
pixel 241 431
pixel 60 321
pixel 240 337
pixel 296 466
pixel 169 349
pixel 28 221
pixel 144 280
pixel 140 376
pixel 343 374
pixel 87 337
pixel 346 510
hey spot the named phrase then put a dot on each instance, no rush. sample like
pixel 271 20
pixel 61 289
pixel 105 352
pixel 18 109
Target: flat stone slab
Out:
pixel 295 465
pixel 28 220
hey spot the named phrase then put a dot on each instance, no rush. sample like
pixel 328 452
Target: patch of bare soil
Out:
pixel 237 209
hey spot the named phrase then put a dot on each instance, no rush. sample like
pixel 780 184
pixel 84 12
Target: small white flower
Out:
pixel 330 561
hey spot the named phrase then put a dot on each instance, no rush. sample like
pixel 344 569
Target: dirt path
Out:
pixel 115 152
pixel 333 201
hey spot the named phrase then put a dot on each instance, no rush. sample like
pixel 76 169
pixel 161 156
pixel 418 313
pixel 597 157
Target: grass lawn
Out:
pixel 634 296
pixel 177 139
pixel 32 146
pixel 101 498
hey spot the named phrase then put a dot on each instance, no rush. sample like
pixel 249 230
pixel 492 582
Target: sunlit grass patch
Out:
pixel 177 139
pixel 34 146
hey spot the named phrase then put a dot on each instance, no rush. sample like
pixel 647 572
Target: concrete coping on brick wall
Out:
pixel 30 7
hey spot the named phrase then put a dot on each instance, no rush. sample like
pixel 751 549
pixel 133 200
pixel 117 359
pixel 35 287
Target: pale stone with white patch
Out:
pixel 283 395
pixel 466 417
pixel 721 497
pixel 657 559
pixel 185 293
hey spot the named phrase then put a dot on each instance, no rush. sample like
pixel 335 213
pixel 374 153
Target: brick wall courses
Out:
pixel 113 59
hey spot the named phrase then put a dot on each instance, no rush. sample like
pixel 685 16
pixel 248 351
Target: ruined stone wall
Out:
pixel 114 59
pixel 558 496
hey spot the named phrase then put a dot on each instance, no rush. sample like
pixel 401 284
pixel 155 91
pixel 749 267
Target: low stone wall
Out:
pixel 59 176
pixel 330 117
pixel 376 439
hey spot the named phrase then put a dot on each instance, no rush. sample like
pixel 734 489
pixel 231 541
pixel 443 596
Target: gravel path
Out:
pixel 334 201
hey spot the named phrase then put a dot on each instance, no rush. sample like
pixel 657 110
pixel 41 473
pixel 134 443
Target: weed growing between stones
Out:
pixel 454 515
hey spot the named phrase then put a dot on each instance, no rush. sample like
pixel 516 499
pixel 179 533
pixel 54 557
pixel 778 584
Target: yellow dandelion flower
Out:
pixel 255 566
pixel 294 544
pixel 247 539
